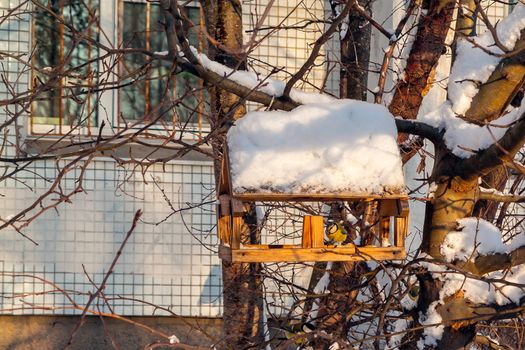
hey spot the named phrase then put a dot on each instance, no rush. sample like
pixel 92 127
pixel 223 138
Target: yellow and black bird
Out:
pixel 296 330
pixel 336 232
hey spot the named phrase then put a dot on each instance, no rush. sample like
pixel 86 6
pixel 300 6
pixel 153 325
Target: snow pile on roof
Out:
pixel 260 83
pixel 464 138
pixel 476 237
pixel 343 146
pixel 474 66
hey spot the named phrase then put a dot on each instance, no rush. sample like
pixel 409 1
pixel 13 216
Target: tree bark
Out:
pixel 497 92
pixel 242 284
pixel 426 51
pixel 355 56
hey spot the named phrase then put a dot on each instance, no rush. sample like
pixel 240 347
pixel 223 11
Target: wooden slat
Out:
pixel 224 204
pixel 224 186
pixel 317 229
pixel 340 253
pixel 313 197
pixel 401 225
pixel 307 232
pixel 385 231
pixel 269 246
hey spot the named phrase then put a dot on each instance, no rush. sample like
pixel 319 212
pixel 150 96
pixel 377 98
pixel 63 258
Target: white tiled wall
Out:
pixel 173 264
pixel 495 10
pixel 286 44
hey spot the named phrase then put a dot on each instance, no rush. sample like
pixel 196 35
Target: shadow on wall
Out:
pixel 212 288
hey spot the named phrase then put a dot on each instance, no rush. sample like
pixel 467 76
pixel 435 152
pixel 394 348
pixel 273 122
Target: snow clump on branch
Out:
pixel 252 80
pixel 473 65
pixel 476 237
pixel 464 139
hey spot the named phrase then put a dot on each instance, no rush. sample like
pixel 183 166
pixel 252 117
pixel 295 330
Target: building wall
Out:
pixel 172 264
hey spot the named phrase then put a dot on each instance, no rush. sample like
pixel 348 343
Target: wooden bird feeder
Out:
pixel 283 158
pixel 392 211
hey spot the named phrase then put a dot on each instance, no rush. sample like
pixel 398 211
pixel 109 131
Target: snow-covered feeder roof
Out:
pixel 344 149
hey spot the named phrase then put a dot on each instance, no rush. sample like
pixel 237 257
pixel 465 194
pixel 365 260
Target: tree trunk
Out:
pixel 242 294
pixel 335 308
pixel 355 56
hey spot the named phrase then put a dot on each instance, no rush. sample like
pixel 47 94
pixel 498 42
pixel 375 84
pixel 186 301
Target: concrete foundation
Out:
pixel 53 332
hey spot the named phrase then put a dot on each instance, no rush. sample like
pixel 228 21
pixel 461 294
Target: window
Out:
pixel 67 66
pixel 151 92
pixel 63 77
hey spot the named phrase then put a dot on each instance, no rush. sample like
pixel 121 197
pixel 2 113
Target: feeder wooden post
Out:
pixel 387 208
pixel 237 211
pixel 401 224
pixel 224 219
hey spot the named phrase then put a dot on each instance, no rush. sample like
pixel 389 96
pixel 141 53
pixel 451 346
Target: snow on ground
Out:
pixel 341 146
pixel 474 66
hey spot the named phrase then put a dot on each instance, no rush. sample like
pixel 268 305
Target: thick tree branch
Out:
pixel 418 128
pixel 486 341
pixel 494 262
pixel 497 154
pixel 426 51
pixel 497 92
pixel 213 78
pixel 493 195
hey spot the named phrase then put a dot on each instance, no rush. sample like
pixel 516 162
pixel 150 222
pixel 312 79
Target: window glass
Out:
pixel 63 35
pixel 152 92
